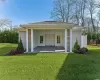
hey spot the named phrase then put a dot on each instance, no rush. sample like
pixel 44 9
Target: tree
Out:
pixel 61 10
pixel 20 45
pixel 58 12
pixel 92 8
pixel 5 23
pixel 76 11
pixel 83 7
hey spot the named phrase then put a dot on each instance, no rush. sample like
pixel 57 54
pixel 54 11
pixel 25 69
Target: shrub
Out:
pixel 8 36
pixel 19 50
pixel 14 52
pixel 20 45
pixel 83 50
pixel 76 47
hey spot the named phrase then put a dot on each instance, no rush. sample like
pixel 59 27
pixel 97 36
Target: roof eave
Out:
pixel 47 25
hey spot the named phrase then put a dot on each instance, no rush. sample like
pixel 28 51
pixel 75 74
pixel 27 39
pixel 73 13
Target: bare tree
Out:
pixel 58 12
pixel 75 11
pixel 82 11
pixel 91 10
pixel 68 9
pixel 62 9
pixel 5 23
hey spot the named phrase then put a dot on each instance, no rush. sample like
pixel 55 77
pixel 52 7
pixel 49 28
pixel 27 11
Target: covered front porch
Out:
pixel 48 40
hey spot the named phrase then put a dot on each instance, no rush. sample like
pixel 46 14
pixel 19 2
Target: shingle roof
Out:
pixel 50 22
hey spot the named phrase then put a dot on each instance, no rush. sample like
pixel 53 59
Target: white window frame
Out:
pixel 58 39
pixel 40 39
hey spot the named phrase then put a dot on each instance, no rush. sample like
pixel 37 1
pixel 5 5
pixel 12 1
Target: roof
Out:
pixel 49 24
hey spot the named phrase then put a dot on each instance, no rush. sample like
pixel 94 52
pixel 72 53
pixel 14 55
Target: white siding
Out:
pixel 38 33
pixel 22 35
pixel 84 41
pixel 76 34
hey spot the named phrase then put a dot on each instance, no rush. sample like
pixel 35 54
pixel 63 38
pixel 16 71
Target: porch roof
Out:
pixel 49 24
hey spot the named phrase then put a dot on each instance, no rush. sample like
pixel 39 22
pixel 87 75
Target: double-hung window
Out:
pixel 41 39
pixel 58 39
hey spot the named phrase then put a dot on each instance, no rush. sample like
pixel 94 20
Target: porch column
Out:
pixel 26 40
pixel 65 40
pixel 70 40
pixel 32 40
pixel 19 36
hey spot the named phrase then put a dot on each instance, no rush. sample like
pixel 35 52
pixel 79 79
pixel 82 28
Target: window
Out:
pixel 58 39
pixel 41 39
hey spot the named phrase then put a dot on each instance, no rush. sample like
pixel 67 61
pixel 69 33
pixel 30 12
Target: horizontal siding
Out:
pixel 22 35
pixel 38 33
pixel 76 34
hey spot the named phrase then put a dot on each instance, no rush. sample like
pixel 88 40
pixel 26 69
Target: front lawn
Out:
pixel 6 47
pixel 46 66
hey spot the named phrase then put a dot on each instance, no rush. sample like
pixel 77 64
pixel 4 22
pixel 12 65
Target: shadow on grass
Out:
pixel 80 67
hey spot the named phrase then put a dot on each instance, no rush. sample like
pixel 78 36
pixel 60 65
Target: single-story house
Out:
pixel 51 36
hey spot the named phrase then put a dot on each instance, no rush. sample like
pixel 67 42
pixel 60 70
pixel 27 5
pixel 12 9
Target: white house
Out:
pixel 51 36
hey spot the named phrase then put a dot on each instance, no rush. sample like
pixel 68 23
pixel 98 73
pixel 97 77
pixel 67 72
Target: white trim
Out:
pixel 50 39
pixel 32 40
pixel 26 40
pixel 65 40
pixel 70 40
pixel 18 36
pixel 83 41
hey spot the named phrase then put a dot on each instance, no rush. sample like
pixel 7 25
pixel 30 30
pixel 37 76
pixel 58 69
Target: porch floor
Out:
pixel 49 49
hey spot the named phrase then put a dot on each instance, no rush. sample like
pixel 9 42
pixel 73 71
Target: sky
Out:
pixel 26 11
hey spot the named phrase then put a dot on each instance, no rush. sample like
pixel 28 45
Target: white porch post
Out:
pixel 32 40
pixel 65 40
pixel 26 40
pixel 19 36
pixel 70 40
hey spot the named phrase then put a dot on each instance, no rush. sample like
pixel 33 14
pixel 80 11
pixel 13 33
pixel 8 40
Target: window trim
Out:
pixel 58 39
pixel 41 41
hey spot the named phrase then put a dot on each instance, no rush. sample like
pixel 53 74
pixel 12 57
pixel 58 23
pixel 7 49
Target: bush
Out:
pixel 20 45
pixel 83 50
pixel 19 50
pixel 8 36
pixel 14 52
pixel 76 47
pixel 93 37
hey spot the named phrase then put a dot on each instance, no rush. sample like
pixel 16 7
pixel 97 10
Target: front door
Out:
pixel 49 39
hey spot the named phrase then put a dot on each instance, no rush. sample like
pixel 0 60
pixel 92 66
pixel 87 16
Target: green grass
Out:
pixel 6 47
pixel 46 66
